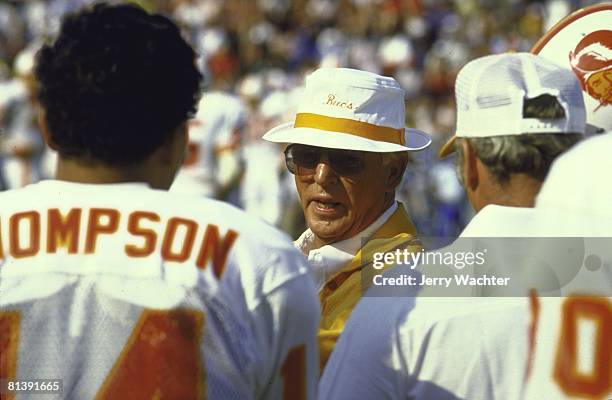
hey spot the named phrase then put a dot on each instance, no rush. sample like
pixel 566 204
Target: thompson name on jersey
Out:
pixel 122 294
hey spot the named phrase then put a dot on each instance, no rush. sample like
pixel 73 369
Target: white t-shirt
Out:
pixel 499 221
pixel 127 292
pixel 429 348
pixel 416 347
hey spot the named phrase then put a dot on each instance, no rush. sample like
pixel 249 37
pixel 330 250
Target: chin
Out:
pixel 328 236
pixel 323 232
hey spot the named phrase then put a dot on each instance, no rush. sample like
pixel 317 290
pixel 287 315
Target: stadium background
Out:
pixel 261 50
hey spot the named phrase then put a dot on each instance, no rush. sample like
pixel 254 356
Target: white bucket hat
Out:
pixel 490 92
pixel 349 109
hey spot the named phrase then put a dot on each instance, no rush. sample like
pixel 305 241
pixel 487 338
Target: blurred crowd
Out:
pixel 256 54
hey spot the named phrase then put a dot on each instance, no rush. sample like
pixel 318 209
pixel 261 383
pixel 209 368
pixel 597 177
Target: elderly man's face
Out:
pixel 342 193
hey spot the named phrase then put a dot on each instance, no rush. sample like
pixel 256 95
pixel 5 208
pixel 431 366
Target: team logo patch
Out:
pixel 591 61
pixel 582 41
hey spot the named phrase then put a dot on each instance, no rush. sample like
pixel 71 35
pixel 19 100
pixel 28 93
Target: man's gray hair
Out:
pixel 530 154
pixel 389 158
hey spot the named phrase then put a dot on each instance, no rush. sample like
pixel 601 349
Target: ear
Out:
pixel 44 129
pixel 396 171
pixel 470 166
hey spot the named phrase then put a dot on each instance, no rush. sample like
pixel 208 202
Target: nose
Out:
pixel 324 174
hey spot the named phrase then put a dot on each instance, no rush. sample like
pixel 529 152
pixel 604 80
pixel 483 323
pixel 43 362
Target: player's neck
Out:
pixel 520 191
pixel 91 172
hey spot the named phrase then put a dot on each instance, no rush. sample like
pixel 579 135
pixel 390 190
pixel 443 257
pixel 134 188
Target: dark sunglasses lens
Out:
pixel 346 163
pixel 301 157
pixel 306 157
pixel 303 160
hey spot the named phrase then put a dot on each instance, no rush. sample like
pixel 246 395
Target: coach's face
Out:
pixel 338 205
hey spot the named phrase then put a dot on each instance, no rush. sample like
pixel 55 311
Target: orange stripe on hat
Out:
pixel 352 127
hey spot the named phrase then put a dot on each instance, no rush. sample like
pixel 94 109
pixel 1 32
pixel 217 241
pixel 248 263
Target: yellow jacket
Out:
pixel 342 292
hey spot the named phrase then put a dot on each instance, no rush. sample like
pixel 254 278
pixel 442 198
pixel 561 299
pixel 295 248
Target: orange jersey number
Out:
pixel 598 381
pixel 161 358
pixel 294 374
pixel 9 340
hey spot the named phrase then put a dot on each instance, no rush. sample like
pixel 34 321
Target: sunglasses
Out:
pixel 303 160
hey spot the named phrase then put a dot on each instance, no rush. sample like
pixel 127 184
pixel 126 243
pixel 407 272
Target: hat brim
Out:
pixel 286 133
pixel 448 148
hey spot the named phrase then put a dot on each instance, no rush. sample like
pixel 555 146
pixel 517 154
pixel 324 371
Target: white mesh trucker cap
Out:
pixel 490 92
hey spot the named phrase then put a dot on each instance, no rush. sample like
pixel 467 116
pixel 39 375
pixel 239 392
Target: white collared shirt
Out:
pixel 500 221
pixel 327 260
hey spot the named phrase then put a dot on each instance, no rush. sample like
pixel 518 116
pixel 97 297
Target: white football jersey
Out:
pixel 571 356
pixel 216 127
pixel 21 133
pixel 125 292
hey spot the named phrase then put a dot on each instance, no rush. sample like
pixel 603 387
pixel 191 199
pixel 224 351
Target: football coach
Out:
pixel 348 149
